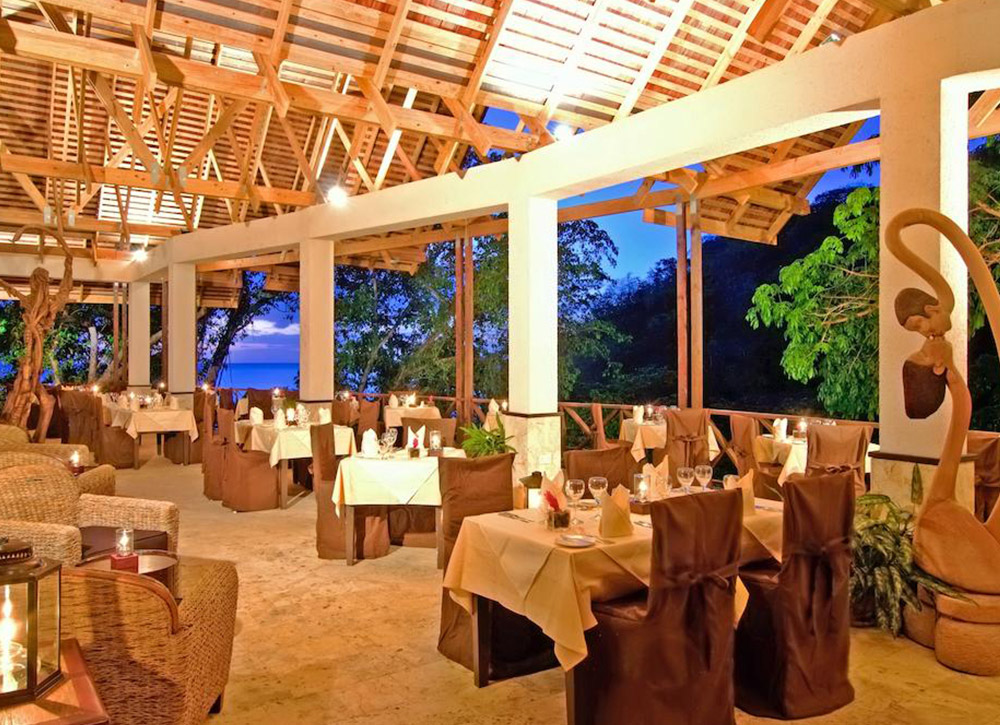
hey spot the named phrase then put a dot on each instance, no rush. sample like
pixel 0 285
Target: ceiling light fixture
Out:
pixel 140 255
pixel 561 131
pixel 337 195
pixel 834 37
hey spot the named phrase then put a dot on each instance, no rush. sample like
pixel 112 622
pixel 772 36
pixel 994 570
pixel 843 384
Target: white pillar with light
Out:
pixel 533 373
pixel 182 341
pixel 316 320
pixel 138 335
pixel 924 137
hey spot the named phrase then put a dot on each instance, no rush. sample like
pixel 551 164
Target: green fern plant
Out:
pixel 480 442
pixel 885 576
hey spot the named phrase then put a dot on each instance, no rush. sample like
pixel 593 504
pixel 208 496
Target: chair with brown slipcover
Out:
pixel 213 461
pixel 665 655
pixel 986 446
pixel 687 439
pixel 227 399
pixel 838 449
pixel 745 430
pixel 369 417
pixel 249 482
pixel 342 412
pixel 371 523
pixel 75 406
pixel 173 443
pixel 469 487
pixel 257 398
pixel 447 426
pixel 793 640
pixel 616 464
pixel 113 446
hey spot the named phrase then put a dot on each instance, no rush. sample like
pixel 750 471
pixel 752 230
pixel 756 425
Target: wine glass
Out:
pixel 574 492
pixel 392 433
pixel 685 475
pixel 598 486
pixel 703 474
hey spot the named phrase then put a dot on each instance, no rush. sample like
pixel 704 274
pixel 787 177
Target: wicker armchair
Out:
pixel 100 480
pixel 15 439
pixel 44 506
pixel 154 661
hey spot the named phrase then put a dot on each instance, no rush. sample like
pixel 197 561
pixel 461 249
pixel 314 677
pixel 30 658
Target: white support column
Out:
pixel 924 133
pixel 182 335
pixel 316 320
pixel 533 373
pixel 138 335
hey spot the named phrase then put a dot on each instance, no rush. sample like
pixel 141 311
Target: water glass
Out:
pixel 731 480
pixel 703 474
pixel 575 488
pixel 685 475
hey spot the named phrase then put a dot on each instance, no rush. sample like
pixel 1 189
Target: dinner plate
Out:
pixel 576 541
pixel 586 504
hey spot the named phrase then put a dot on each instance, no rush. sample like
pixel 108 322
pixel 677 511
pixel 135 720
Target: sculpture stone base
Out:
pixel 892 475
pixel 538 442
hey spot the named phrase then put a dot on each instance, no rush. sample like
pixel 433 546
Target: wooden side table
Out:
pixel 74 701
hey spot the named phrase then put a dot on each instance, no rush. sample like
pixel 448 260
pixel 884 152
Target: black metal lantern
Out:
pixel 29 623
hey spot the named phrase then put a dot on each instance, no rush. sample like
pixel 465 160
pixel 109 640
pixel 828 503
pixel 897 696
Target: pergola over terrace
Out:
pixel 245 124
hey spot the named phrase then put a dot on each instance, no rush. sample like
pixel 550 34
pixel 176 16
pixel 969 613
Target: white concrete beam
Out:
pixel 181 331
pixel 316 340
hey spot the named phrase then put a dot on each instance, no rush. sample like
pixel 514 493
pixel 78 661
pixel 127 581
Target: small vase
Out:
pixel 557 520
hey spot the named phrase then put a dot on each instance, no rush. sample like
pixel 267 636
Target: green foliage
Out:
pixel 827 304
pixel 479 442
pixel 884 576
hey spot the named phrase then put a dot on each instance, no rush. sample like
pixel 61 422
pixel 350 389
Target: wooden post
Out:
pixel 468 299
pixel 697 311
pixel 164 326
pixel 459 333
pixel 683 398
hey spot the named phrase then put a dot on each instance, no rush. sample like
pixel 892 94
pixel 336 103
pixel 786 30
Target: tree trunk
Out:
pixel 92 365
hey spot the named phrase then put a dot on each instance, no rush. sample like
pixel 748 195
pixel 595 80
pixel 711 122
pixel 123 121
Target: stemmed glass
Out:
pixel 685 475
pixel 598 486
pixel 574 492
pixel 704 476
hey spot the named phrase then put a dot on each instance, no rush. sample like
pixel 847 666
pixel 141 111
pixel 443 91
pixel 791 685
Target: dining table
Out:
pixel 287 443
pixel 393 417
pixel 653 434
pixel 157 419
pixel 394 480
pixel 792 454
pixel 511 558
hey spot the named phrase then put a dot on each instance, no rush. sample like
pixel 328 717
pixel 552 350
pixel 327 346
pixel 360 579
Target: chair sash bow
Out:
pixel 701 634
pixel 820 608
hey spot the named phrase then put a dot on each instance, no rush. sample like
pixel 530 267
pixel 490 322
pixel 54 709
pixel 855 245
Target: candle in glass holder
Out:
pixel 95 389
pixel 503 405
pixel 649 411
pixel 125 558
pixel 801 428
pixel 290 415
pixel 641 482
pixel 435 440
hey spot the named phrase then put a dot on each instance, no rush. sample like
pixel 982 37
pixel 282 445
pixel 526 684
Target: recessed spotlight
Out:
pixel 140 255
pixel 336 195
pixel 561 132
pixel 834 37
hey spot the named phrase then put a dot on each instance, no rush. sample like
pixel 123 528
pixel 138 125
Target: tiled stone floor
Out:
pixel 320 643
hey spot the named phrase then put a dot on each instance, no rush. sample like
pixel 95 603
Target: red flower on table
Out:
pixel 551 500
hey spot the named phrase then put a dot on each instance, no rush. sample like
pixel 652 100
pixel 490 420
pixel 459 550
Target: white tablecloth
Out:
pixel 394 416
pixel 153 420
pixel 654 435
pixel 519 565
pixel 398 480
pixel 792 453
pixel 285 444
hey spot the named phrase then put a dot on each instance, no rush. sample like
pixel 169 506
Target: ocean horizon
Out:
pixel 258 375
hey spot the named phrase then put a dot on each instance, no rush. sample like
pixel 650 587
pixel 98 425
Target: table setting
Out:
pixel 286 437
pixel 791 452
pixel 647 428
pixel 394 412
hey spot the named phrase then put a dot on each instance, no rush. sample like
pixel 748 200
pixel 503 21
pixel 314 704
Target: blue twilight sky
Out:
pixel 273 339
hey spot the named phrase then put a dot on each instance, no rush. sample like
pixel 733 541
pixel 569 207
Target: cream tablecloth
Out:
pixel 394 416
pixel 398 480
pixel 519 565
pixel 153 420
pixel 654 435
pixel 792 454
pixel 290 442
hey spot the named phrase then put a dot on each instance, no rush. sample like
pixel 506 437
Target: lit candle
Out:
pixel 11 652
pixel 503 405
pixel 802 427
pixel 125 542
pixel 94 389
pixel 435 440
pixel 74 459
pixel 162 385
pixel 204 386
pixel 290 416
pixel 643 490
pixel 649 411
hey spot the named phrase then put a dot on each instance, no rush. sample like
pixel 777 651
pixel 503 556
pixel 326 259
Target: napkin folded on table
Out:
pixel 393 401
pixel 638 412
pixel 173 403
pixel 279 418
pixel 256 416
pixel 415 438
pixel 555 487
pixel 493 407
pixel 659 475
pixel 369 444
pixel 780 429
pixel 325 417
pixel 135 404
pixel 745 484
pixel 616 519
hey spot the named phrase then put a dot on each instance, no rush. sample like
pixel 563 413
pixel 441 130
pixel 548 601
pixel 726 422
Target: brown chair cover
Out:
pixel 260 399
pixel 369 417
pixel 445 425
pixel 838 449
pixel 77 407
pixel 173 443
pixel 617 464
pixel 687 439
pixel 745 430
pixel 793 640
pixel 249 482
pixel 666 655
pixel 112 446
pixel 987 448
pixel 371 523
pixel 227 399
pixel 469 487
pixel 342 412
pixel 213 462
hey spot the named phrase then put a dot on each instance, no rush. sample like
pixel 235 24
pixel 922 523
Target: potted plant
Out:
pixel 884 576
pixel 480 442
